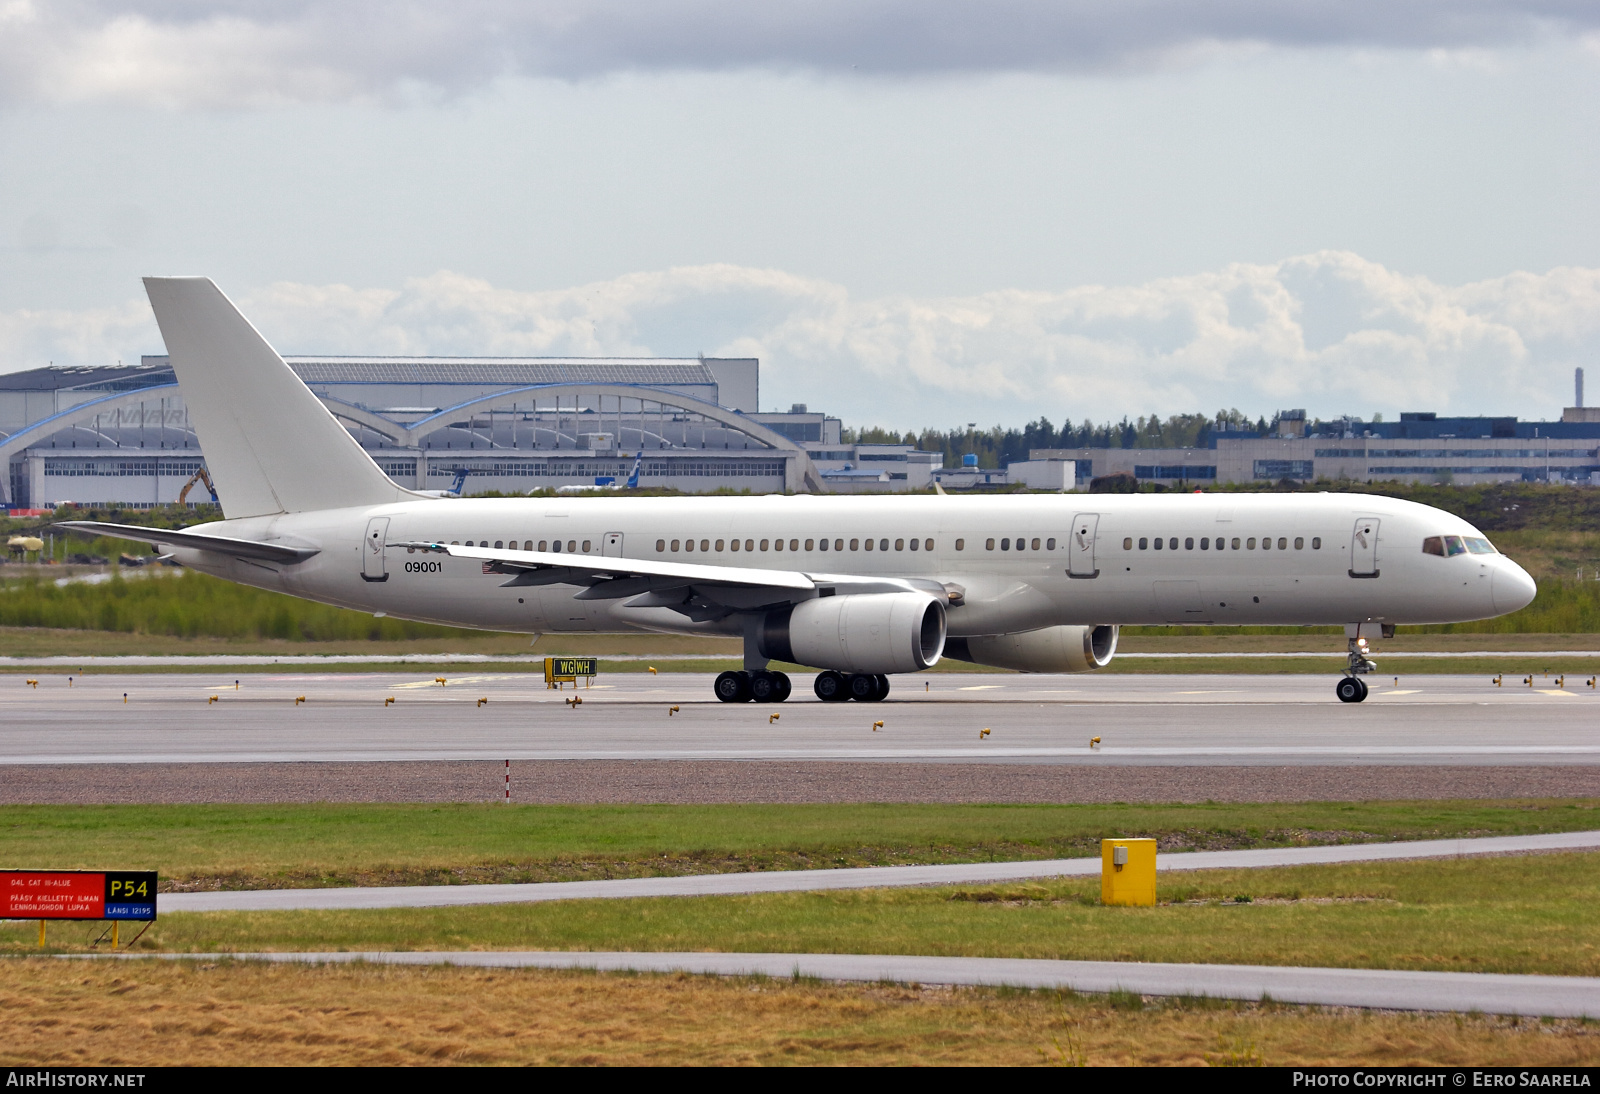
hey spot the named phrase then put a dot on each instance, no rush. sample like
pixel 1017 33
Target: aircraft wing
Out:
pixel 199 541
pixel 547 568
pixel 699 591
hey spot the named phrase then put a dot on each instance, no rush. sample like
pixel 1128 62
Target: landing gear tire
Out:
pixel 866 689
pixel 733 687
pixel 769 687
pixel 830 687
pixel 1350 689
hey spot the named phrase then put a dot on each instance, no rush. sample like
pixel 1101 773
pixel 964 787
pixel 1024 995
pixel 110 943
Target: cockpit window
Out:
pixel 1433 545
pixel 1453 546
pixel 1480 546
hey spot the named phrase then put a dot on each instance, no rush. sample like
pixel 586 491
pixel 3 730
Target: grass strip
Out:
pixel 285 846
pixel 232 1014
pixel 1522 914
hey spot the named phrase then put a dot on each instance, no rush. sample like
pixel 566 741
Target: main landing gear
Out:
pixel 837 687
pixel 1351 688
pixel 760 687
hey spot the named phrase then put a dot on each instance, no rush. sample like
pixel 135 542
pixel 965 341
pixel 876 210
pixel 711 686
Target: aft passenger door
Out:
pixel 1080 546
pixel 612 546
pixel 1364 548
pixel 372 561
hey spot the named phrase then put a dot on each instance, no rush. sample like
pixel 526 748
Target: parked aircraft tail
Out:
pixel 633 479
pixel 270 443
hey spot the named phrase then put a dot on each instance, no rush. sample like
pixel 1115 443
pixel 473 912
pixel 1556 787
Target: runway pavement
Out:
pixel 870 877
pixel 1276 720
pixel 1488 993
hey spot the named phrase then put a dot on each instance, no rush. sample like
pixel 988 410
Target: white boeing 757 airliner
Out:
pixel 857 588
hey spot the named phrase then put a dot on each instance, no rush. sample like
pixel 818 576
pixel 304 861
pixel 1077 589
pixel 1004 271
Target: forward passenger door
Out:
pixel 1080 546
pixel 1364 548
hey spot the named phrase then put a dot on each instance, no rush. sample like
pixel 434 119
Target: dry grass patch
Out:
pixel 123 1014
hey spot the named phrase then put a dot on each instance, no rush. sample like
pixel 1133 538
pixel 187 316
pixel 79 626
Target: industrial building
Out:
pixel 1420 447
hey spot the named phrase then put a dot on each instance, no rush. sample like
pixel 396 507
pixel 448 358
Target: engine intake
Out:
pixel 858 633
pixel 1049 649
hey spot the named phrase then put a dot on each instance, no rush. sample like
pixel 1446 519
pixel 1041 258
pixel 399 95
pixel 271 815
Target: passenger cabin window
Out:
pixel 1250 544
pixel 719 544
pixel 1049 545
pixel 961 544
pixel 1235 544
pixel 1299 543
pixel 1144 543
pixel 1160 543
pixel 661 545
pixel 855 544
pixel 1316 543
pixel 988 545
pixel 811 542
pixel 1188 543
pixel 1127 544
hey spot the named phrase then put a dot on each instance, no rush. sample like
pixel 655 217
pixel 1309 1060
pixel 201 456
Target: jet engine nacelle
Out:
pixel 859 632
pixel 1049 649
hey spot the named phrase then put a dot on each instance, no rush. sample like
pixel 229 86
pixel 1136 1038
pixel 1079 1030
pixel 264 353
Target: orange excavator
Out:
pixel 201 475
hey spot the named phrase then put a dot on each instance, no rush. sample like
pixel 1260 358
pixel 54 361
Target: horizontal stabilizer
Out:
pixel 197 541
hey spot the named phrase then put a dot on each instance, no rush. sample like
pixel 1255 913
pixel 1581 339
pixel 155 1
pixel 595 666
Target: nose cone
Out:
pixel 1512 588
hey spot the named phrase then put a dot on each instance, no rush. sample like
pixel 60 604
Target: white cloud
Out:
pixel 1328 331
pixel 253 52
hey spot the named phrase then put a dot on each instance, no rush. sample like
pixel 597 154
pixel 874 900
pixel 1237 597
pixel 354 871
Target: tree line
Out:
pixel 998 445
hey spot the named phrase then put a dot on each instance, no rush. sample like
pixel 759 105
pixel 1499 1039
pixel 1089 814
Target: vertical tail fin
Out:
pixel 271 444
pixel 633 479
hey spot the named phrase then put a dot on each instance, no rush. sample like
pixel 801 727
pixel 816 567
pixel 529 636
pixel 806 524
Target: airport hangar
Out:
pixel 120 436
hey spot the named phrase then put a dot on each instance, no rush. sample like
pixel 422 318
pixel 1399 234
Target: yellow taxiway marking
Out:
pixel 1555 691
pixel 460 680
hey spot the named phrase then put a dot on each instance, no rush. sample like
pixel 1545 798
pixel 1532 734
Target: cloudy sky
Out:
pixel 916 213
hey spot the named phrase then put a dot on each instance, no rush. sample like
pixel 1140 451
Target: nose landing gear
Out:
pixel 743 687
pixel 1351 688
